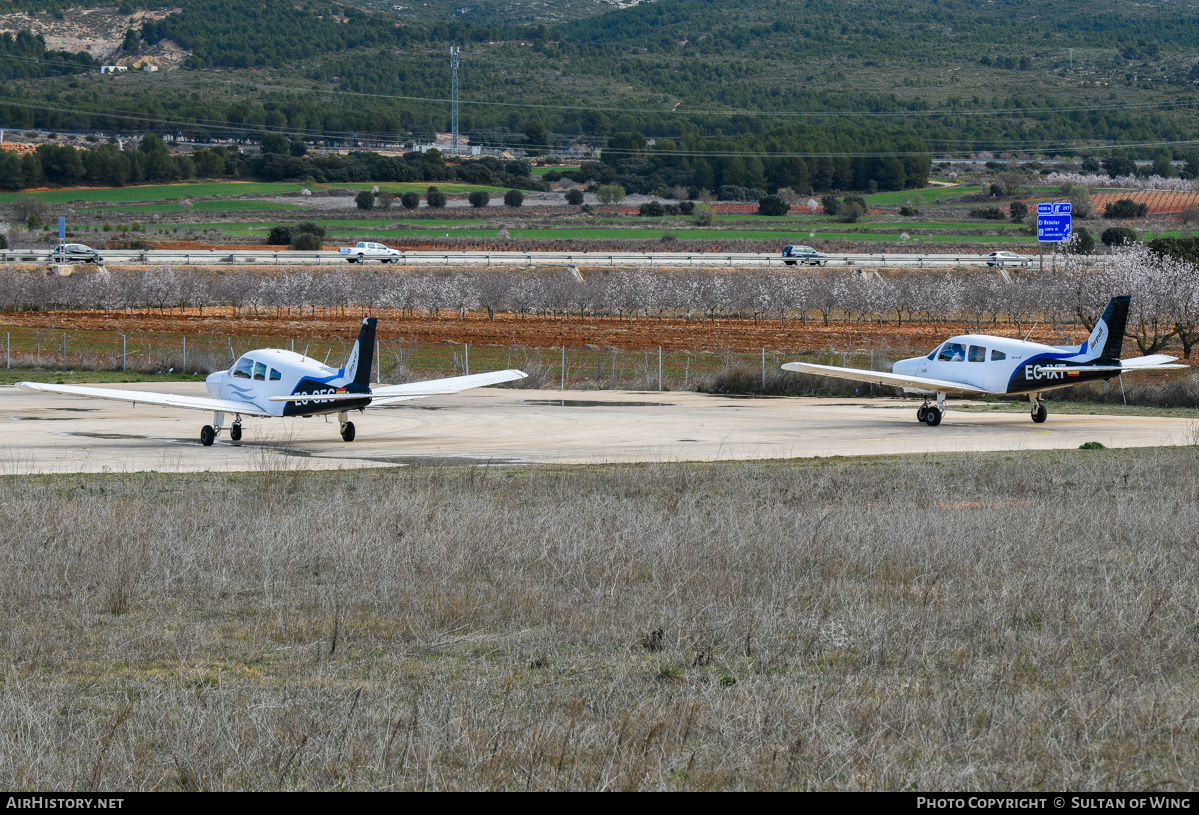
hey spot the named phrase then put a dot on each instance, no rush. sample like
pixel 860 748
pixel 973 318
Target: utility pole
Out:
pixel 454 100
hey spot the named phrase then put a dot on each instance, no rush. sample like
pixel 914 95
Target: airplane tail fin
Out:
pixel 358 366
pixel 1107 338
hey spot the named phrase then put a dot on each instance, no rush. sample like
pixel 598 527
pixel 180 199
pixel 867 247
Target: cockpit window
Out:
pixel 997 355
pixel 243 368
pixel 275 375
pixel 977 354
pixel 952 352
pixel 260 371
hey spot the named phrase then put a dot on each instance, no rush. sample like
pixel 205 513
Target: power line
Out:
pixel 963 143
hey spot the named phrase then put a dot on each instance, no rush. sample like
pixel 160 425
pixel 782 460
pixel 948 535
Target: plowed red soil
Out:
pixel 1160 202
pixel 543 332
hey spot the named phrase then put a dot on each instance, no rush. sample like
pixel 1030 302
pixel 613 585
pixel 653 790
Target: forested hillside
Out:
pixel 809 81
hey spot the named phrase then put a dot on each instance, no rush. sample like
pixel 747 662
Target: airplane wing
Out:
pixel 150 398
pixel 911 383
pixel 389 394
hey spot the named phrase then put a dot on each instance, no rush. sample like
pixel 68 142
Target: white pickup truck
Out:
pixel 366 250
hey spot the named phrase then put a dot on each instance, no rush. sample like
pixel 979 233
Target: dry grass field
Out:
pixel 999 621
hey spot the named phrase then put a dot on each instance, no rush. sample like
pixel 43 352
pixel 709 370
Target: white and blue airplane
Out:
pixel 983 365
pixel 271 382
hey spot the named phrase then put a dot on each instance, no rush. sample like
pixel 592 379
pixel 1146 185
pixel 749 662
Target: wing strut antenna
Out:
pixel 1029 334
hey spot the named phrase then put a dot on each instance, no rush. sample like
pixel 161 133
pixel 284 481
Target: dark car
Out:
pixel 806 254
pixel 75 253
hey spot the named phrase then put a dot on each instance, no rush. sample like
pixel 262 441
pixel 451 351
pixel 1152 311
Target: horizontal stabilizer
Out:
pixel 454 384
pixel 412 390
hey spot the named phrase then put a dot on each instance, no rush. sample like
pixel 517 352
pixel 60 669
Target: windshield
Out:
pixel 952 352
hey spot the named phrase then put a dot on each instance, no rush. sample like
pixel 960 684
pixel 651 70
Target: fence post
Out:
pixel 122 352
pixel 7 351
pixel 659 369
pixel 563 368
pixel 378 362
pixel 64 350
pixel 763 370
pixel 466 351
pixel 185 355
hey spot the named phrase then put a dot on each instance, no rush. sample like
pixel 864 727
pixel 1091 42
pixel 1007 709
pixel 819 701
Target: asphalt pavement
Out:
pixel 46 433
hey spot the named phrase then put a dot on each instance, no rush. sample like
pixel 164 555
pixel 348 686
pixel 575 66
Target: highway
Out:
pixel 267 257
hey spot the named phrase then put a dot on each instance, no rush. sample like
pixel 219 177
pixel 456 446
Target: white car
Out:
pixel 1006 259
pixel 367 250
pixel 794 254
pixel 75 252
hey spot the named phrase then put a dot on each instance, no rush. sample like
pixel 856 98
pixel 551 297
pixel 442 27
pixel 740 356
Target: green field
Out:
pixel 411 186
pixel 233 205
pixel 924 196
pixel 1149 236
pixel 156 192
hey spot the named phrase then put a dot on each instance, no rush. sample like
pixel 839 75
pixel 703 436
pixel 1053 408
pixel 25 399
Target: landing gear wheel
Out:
pixel 922 413
pixel 1039 414
pixel 235 431
pixel 347 431
pixel 932 416
pixel 207 435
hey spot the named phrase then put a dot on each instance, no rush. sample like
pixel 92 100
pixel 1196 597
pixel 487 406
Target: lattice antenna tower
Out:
pixel 454 100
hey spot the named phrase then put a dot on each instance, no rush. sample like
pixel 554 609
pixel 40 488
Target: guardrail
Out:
pixel 578 259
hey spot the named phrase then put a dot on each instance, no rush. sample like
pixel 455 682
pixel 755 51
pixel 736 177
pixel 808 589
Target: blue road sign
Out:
pixel 1053 222
pixel 62 228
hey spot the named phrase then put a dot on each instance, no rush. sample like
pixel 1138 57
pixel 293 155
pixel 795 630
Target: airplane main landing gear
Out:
pixel 1039 412
pixel 931 414
pixel 347 427
pixel 209 432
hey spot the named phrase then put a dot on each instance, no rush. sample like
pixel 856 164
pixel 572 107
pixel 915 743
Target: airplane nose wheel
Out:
pixel 932 416
pixel 207 435
pixel 1039 413
pixel 347 431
